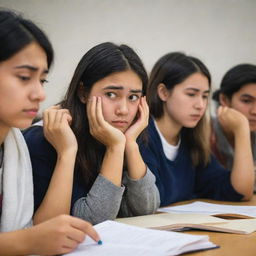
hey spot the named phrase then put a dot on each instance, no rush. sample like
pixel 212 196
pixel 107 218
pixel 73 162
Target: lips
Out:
pixel 119 123
pixel 31 112
pixel 196 116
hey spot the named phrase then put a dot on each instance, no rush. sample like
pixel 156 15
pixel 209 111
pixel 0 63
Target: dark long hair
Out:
pixel 99 62
pixel 17 32
pixel 172 69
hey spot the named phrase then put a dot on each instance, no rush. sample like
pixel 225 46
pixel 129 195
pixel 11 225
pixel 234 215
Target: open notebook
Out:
pixel 121 239
pixel 218 210
pixel 181 221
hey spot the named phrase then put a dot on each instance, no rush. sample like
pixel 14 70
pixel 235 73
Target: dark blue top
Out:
pixel 178 180
pixel 43 159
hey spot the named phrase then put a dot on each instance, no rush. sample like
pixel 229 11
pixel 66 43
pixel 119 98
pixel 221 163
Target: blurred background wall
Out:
pixel 219 32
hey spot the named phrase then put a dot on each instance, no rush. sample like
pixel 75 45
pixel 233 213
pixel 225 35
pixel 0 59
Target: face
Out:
pixel 120 93
pixel 244 101
pixel 21 86
pixel 185 105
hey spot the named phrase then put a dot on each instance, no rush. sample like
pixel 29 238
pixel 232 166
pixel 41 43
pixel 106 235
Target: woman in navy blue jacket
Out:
pixel 178 151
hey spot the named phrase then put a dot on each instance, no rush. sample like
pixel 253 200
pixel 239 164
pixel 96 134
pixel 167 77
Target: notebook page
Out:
pixel 211 209
pixel 130 240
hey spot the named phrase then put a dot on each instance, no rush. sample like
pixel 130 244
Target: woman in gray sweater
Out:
pixel 92 163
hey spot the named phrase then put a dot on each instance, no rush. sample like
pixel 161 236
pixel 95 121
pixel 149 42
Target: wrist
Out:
pixel 131 145
pixel 116 148
pixel 68 153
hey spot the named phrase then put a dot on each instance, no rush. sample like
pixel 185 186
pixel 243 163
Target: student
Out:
pixel 177 151
pixel 237 91
pixel 25 58
pixel 105 100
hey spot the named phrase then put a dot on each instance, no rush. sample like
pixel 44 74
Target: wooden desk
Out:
pixel 230 244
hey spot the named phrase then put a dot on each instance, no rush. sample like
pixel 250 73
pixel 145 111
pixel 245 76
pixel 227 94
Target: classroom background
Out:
pixel 219 32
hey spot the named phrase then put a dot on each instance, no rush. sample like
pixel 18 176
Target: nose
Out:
pixel 200 103
pixel 253 109
pixel 122 107
pixel 37 93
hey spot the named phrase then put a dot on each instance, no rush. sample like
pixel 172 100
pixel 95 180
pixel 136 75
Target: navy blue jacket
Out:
pixel 178 180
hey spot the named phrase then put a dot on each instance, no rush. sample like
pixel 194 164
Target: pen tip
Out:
pixel 100 242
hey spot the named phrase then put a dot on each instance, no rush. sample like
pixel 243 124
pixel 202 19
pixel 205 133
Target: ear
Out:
pixel 81 93
pixel 224 100
pixel 162 92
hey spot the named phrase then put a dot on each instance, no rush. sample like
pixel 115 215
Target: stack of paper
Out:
pixel 121 239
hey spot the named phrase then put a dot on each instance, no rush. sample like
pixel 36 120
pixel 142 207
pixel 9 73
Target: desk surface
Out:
pixel 230 244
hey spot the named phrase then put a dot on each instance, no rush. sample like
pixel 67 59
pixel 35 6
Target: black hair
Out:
pixel 171 69
pixel 234 79
pixel 17 32
pixel 99 62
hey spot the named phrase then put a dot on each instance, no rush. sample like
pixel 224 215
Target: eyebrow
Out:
pixel 197 90
pixel 114 87
pixel 248 96
pixel 32 68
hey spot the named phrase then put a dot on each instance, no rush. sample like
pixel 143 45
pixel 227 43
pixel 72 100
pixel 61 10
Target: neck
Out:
pixel 169 129
pixel 3 133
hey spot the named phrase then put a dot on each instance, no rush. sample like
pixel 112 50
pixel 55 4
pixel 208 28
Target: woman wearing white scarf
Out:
pixel 25 57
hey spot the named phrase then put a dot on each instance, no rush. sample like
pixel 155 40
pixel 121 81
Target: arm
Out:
pixel 142 195
pixel 57 131
pixel 103 200
pixel 59 235
pixel 135 164
pixel 236 125
pixel 101 203
pixel 112 138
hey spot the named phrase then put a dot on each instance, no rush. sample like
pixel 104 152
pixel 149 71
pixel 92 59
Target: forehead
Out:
pixel 195 81
pixel 248 89
pixel 32 55
pixel 128 80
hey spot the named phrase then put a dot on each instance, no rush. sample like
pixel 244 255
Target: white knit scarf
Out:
pixel 18 203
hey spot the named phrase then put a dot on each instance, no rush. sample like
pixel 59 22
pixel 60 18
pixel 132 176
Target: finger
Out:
pixel 92 113
pixel 62 115
pixel 85 227
pixel 99 114
pixel 146 105
pixel 69 243
pixel 76 234
pixel 45 118
pixel 51 117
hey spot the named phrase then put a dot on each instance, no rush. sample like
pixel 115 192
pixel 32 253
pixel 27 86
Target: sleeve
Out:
pixel 141 196
pixel 43 159
pixel 101 203
pixel 214 182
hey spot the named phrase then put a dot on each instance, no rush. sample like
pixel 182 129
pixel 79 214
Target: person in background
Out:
pixel 90 162
pixel 178 150
pixel 25 58
pixel 237 91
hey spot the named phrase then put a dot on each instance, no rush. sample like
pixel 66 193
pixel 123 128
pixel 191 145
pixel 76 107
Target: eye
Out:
pixel 111 95
pixel 134 97
pixel 246 101
pixel 191 94
pixel 24 78
pixel 43 81
pixel 205 97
